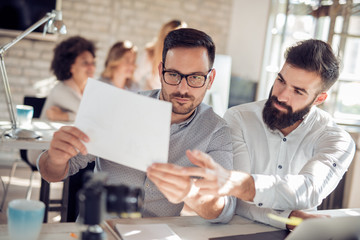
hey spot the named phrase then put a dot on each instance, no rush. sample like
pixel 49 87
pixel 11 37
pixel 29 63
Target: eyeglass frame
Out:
pixel 185 76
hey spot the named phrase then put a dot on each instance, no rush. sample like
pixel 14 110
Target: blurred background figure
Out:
pixel 73 64
pixel 147 73
pixel 120 65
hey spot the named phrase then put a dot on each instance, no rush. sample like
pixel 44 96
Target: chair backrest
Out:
pixel 37 103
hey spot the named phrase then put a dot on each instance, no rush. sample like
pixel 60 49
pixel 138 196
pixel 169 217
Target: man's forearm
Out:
pixel 51 172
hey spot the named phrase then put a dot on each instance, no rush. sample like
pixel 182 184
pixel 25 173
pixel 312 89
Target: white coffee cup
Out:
pixel 25 218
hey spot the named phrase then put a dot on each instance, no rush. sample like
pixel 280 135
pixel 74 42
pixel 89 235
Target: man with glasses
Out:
pixel 186 73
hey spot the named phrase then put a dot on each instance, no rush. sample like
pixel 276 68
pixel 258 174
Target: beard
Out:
pixel 275 119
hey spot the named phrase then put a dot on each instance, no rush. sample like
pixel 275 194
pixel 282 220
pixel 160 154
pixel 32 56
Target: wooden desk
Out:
pixel 188 228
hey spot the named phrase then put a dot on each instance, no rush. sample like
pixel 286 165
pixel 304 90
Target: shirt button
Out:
pixel 147 185
pixel 284 139
pixel 334 164
pixel 280 167
pixel 260 204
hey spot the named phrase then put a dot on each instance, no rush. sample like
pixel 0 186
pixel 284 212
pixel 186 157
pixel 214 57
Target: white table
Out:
pixel 45 129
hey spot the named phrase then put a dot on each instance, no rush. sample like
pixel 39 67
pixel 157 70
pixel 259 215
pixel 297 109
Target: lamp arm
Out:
pixel 48 16
pixel 7 93
pixel 3 49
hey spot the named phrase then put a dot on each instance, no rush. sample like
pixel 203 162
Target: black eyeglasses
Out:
pixel 173 78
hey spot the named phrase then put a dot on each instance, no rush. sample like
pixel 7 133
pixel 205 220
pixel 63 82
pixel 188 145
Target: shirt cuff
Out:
pixel 228 211
pixel 38 160
pixel 264 194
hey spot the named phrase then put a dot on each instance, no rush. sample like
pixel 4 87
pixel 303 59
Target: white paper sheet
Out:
pixel 146 231
pixel 124 127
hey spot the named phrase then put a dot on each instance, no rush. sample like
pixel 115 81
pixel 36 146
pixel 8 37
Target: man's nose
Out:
pixel 284 95
pixel 183 86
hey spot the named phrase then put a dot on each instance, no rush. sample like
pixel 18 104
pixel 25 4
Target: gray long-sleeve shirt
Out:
pixel 204 131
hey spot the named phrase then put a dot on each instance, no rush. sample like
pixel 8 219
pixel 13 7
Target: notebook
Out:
pixel 273 235
pixel 146 231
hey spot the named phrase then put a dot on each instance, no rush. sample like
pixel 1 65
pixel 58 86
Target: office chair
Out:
pixel 37 104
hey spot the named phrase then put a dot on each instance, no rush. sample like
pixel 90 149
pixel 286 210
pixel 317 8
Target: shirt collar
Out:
pixel 187 121
pixel 308 116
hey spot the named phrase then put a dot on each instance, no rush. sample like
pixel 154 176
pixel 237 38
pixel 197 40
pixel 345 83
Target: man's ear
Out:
pixel 320 98
pixel 211 78
pixel 160 67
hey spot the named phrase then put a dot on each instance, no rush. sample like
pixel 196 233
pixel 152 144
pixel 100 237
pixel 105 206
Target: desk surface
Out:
pixel 188 228
pixel 45 128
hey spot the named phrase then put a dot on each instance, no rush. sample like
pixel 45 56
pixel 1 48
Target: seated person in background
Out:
pixel 288 153
pixel 186 73
pixel 147 72
pixel 120 66
pixel 73 64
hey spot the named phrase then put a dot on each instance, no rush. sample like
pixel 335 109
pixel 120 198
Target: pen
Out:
pixel 294 221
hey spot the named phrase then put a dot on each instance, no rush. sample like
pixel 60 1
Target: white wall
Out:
pixel 246 39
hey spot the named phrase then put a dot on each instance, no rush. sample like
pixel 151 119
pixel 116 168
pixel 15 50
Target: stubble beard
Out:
pixel 178 108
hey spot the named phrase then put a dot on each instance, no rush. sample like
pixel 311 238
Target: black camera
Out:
pixel 97 198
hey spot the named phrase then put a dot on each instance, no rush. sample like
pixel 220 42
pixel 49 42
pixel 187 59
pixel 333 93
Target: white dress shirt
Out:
pixel 291 172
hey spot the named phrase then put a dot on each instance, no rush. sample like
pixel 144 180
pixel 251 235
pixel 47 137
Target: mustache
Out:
pixel 275 99
pixel 179 95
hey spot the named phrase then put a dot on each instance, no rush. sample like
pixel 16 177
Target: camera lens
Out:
pixel 123 199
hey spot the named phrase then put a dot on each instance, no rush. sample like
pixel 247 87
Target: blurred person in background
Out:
pixel 120 65
pixel 73 64
pixel 147 74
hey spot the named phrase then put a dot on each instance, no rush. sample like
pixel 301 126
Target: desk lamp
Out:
pixel 54 25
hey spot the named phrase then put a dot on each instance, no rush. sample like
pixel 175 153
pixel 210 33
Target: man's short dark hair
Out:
pixel 315 56
pixel 189 38
pixel 65 54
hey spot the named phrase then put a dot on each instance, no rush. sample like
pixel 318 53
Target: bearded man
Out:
pixel 288 154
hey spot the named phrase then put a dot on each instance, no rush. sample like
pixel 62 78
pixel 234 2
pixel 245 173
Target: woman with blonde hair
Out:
pixel 120 66
pixel 148 75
